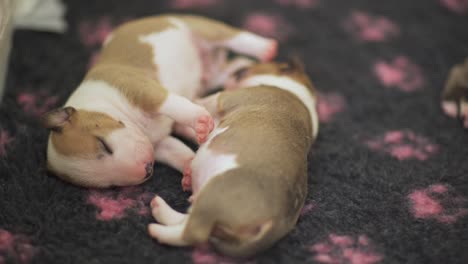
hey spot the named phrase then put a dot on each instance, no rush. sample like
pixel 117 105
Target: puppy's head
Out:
pixel 293 69
pixel 93 149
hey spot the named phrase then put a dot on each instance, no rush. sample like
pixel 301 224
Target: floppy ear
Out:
pixel 56 119
pixel 295 63
pixel 240 73
pixel 292 64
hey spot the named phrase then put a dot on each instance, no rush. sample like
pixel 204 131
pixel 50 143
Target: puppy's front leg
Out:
pixel 153 98
pixel 210 103
pixel 173 152
pixel 247 43
pixel 183 111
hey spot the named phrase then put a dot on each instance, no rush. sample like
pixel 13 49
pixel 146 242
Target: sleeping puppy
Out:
pixel 119 119
pixel 455 93
pixel 249 179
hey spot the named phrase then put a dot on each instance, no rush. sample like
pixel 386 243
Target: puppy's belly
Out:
pixel 177 58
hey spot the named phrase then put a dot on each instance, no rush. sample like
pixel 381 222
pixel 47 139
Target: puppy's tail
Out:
pixel 198 228
pixel 243 242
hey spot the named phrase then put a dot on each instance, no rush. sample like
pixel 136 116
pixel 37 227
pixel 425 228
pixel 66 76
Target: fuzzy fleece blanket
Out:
pixel 388 175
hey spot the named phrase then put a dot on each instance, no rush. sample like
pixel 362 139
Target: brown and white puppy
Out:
pixel 249 179
pixel 119 119
pixel 455 93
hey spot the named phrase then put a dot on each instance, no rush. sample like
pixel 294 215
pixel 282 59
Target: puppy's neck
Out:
pixel 292 86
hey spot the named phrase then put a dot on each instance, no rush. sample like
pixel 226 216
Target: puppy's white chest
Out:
pixel 177 59
pixel 208 164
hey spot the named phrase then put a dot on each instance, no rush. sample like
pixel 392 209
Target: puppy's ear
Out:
pixel 241 73
pixel 292 64
pixel 56 119
pixel 295 63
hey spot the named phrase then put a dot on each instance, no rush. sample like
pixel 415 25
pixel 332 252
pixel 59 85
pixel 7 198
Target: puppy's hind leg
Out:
pixel 248 43
pixel 171 235
pixel 164 214
pixel 232 38
pixel 172 223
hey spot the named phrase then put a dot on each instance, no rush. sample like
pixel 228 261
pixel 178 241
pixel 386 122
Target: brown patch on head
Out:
pixel 84 133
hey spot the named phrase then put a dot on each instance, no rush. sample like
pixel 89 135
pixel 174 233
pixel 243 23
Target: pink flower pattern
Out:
pixel 36 103
pixel 457 6
pixel 15 248
pixel 268 25
pixel 403 145
pixel 115 204
pixel 330 104
pixel 337 249
pixel 5 139
pixel 306 4
pixel 185 4
pixel 367 27
pixel 438 202
pixel 400 73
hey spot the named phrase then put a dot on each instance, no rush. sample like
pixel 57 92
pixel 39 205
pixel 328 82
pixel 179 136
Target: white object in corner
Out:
pixel 40 15
pixel 6 27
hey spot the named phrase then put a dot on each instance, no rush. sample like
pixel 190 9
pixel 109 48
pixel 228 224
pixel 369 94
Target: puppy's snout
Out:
pixel 149 170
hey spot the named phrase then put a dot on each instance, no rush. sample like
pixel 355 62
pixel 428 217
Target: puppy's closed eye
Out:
pixel 104 146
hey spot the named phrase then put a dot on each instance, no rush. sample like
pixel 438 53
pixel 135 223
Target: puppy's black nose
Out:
pixel 149 170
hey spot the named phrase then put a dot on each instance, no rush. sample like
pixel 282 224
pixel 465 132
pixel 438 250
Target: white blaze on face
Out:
pixel 290 85
pixel 132 151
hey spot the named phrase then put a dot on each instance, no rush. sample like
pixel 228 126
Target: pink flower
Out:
pixel 268 25
pixel 456 6
pixel 370 28
pixel 345 249
pixel 438 202
pixel 403 145
pixel 183 4
pixel 399 73
pixel 329 104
